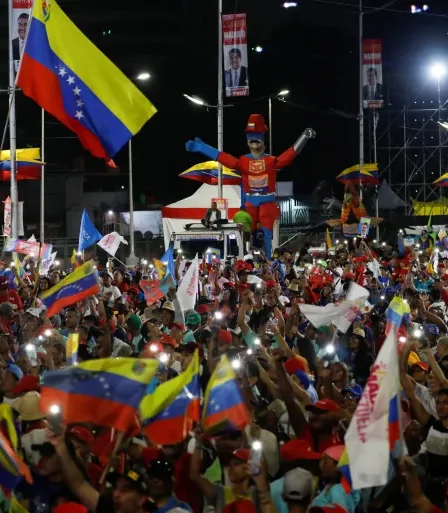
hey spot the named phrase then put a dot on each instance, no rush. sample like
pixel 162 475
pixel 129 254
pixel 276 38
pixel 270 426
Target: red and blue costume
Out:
pixel 258 172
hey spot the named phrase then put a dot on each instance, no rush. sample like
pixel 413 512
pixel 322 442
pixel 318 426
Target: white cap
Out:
pixel 298 484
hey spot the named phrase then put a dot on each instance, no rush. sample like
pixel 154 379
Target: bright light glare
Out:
pixel 417 333
pixel 438 70
pixel 194 99
pixel 153 348
pixel 257 445
pixel 48 333
pixel 283 92
pixel 402 339
pixel 143 76
pixel 12 264
pixel 218 316
pixel 163 358
pixel 29 348
pixel 236 364
pixel 258 285
pixel 55 409
pixel 330 349
pixel 56 262
pixel 287 5
pixel 258 49
pixel 110 212
pixel 249 352
pixel 383 297
pixel 257 341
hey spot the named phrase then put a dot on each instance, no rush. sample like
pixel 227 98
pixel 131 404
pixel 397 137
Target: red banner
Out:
pixel 236 69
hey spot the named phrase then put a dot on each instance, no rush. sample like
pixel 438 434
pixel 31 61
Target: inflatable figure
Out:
pixel 258 172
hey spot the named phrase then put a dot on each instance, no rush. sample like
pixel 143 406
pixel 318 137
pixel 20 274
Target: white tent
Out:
pixel 388 199
pixel 193 208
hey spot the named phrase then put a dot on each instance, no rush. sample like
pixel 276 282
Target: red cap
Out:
pixel 202 309
pixel 134 290
pixel 169 341
pixel 298 450
pixel 256 124
pixel 326 405
pixel 177 325
pixel 293 365
pixel 70 507
pixel 331 508
pixel 422 365
pixel 444 277
pixel 335 452
pixel 348 276
pixel 225 336
pixel 242 454
pixel 271 284
pixel 83 434
pixel 27 384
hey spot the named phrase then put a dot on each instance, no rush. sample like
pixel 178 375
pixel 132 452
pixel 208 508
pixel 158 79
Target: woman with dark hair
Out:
pixel 362 359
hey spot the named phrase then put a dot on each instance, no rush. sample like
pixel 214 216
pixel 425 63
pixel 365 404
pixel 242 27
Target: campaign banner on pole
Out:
pixel 21 17
pixel 7 216
pixel 234 47
pixel 372 70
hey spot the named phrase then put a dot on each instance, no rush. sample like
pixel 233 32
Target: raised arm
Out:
pixel 199 146
pixel 288 156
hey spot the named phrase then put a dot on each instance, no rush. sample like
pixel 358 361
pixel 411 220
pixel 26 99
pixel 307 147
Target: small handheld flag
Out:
pixel 71 349
pixel 88 234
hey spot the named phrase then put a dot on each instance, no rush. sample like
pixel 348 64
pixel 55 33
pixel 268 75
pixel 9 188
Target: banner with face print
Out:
pixel 373 87
pixel 236 70
pixel 21 17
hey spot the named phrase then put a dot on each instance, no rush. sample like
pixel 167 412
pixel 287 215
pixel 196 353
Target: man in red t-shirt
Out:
pixel 9 296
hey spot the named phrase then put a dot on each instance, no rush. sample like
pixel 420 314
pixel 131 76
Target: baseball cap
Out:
pixel 225 336
pixel 83 434
pixel 27 384
pixel 169 341
pixel 298 450
pixel 323 263
pixel 202 309
pixel 178 326
pixel 354 389
pixel 324 405
pixel 293 365
pixel 161 469
pixel 134 321
pixel 15 370
pixel 135 474
pixel 422 365
pixel 70 507
pixel 303 378
pixel 193 318
pixel 298 484
pixel 359 331
pixel 168 305
pixel 335 452
pixel 241 454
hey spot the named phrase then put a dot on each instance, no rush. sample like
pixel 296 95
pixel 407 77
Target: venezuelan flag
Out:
pixel 397 312
pixel 70 78
pixel 78 285
pixel 106 392
pixel 71 349
pixel 368 174
pixel 442 181
pixel 207 172
pixel 344 469
pixel 169 412
pixel 12 467
pixel 224 408
pixel 161 268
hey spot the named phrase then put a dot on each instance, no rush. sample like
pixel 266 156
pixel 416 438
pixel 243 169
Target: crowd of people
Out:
pixel 301 384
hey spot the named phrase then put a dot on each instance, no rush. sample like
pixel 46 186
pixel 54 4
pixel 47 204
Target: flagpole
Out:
pixel 42 179
pixel 220 97
pixel 131 260
pixel 14 194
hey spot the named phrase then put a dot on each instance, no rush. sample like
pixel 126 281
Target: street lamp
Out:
pixel 143 76
pixel 194 99
pixel 281 94
pixel 438 70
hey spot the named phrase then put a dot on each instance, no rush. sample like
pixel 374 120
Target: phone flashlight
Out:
pixel 249 352
pixel 329 348
pixel 55 419
pixel 257 341
pixel 48 333
pixel 236 364
pixel 163 357
pixel 256 454
pixel 219 316
pixel 258 285
pixel 402 339
pixel 153 348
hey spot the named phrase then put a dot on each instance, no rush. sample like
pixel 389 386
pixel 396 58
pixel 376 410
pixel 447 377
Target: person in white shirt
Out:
pixel 110 293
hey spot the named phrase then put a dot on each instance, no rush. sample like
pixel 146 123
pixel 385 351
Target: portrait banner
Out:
pixel 236 70
pixel 21 17
pixel 373 87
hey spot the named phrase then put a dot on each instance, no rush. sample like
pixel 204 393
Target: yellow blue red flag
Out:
pixel 106 392
pixel 169 412
pixel 69 77
pixel 224 408
pixel 78 285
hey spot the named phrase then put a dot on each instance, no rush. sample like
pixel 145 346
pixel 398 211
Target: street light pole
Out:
pixel 220 97
pixel 271 151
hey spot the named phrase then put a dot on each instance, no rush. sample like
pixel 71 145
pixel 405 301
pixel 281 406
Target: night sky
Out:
pixel 312 50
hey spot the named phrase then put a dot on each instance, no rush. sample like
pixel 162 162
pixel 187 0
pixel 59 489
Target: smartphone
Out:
pixel 54 418
pixel 256 454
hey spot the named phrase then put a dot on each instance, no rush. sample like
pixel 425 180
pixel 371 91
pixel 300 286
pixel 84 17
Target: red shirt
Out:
pixel 259 175
pixel 185 489
pixel 13 298
pixel 322 445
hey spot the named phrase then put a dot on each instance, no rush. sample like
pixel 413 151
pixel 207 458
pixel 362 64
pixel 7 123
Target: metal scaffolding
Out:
pixel 412 146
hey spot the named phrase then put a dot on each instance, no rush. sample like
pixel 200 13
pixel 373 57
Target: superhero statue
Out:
pixel 258 171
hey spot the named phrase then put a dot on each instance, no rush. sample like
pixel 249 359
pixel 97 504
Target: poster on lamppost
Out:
pixel 372 69
pixel 234 44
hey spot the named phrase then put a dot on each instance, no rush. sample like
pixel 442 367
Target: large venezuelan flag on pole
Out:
pixel 224 408
pixel 78 285
pixel 106 392
pixel 70 78
pixel 169 412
